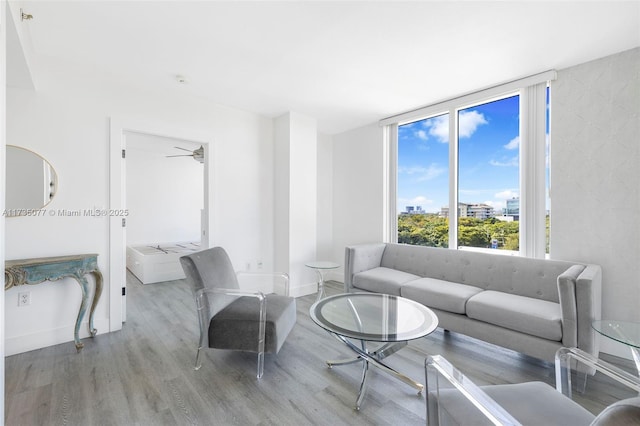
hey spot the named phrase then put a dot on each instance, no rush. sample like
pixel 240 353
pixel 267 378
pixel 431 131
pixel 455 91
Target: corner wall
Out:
pixel 358 193
pixel 296 165
pixel 595 178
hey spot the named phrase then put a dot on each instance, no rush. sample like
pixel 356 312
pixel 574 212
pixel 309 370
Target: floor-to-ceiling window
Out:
pixel 473 172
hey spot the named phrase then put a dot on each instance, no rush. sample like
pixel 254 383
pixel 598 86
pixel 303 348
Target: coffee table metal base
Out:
pixel 375 359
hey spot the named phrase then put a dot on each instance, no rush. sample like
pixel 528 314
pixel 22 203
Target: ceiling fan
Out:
pixel 197 154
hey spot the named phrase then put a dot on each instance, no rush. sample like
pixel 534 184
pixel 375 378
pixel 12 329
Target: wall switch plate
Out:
pixel 24 298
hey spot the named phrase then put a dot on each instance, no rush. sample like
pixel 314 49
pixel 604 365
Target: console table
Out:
pixel 36 271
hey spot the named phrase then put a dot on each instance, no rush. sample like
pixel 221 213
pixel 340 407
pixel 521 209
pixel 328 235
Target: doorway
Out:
pixel 121 130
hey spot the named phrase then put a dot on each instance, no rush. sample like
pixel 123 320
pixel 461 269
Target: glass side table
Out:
pixel 320 267
pixel 624 332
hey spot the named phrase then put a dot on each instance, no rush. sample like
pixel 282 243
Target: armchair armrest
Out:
pixel 484 403
pixel 564 358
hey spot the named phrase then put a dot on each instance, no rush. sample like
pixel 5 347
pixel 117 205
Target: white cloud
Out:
pixel 497 205
pixel 421 134
pixel 420 200
pixel 507 194
pixel 513 143
pixel 439 127
pixel 468 123
pixel 423 173
pixel 506 162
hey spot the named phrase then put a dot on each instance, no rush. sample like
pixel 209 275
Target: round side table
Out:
pixel 320 266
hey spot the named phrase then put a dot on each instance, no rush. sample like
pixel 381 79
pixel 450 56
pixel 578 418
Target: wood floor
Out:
pixel 143 375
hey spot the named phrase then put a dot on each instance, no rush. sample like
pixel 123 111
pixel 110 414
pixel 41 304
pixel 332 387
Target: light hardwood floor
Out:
pixel 143 375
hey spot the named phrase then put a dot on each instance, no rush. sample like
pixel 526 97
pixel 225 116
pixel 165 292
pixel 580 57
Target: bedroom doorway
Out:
pixel 140 135
pixel 164 198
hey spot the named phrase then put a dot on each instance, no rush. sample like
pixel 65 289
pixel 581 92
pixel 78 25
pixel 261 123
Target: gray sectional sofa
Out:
pixel 533 306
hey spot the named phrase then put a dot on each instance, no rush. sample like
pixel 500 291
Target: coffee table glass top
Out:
pixel 622 331
pixel 374 317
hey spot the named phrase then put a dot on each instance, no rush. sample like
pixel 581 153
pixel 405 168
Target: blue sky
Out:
pixel 488 156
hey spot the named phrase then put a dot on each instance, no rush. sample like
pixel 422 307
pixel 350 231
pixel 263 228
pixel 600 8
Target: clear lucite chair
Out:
pixel 531 403
pixel 256 320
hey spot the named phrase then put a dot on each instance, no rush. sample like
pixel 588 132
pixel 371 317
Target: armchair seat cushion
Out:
pixel 236 326
pixel 382 280
pixel 532 403
pixel 537 317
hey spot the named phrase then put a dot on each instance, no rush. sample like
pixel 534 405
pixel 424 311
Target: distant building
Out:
pixel 414 210
pixel 479 211
pixel 512 209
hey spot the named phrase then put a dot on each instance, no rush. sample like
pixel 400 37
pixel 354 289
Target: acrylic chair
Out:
pixel 531 403
pixel 236 319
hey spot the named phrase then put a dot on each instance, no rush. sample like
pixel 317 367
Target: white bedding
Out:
pixel 158 262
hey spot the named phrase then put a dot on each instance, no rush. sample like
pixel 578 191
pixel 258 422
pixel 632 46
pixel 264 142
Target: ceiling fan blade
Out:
pixel 184 149
pixel 186 155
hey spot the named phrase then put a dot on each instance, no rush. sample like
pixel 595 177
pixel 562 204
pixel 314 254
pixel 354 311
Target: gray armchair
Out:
pixel 232 318
pixel 531 403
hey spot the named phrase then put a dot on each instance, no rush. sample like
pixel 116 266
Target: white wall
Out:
pixel 595 178
pixel 296 199
pixel 325 197
pixel 165 196
pixel 67 122
pixel 3 78
pixel 358 193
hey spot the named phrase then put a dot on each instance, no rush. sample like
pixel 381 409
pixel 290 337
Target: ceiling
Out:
pixel 347 64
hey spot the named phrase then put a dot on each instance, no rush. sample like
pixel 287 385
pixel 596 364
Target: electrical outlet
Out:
pixel 258 264
pixel 24 298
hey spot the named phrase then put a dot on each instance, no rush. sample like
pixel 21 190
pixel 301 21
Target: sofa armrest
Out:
pixel 568 306
pixel 589 308
pixel 579 289
pixel 360 258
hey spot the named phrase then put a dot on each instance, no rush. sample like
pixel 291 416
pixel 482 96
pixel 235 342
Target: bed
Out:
pixel 158 262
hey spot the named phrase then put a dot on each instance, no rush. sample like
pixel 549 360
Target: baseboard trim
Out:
pixel 304 290
pixel 42 339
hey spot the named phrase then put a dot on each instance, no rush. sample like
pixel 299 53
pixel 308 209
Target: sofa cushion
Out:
pixel 382 280
pixel 524 314
pixel 443 295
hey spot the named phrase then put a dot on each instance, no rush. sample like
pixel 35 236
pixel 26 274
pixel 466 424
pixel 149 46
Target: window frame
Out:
pixel 532 93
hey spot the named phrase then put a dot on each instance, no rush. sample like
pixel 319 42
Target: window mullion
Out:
pixel 453 178
pixel 391 180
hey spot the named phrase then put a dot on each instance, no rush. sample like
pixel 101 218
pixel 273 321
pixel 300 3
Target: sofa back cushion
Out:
pixel 535 278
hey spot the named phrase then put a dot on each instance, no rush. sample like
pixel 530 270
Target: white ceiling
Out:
pixel 347 64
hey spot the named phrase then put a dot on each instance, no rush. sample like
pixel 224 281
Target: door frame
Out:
pixel 117 199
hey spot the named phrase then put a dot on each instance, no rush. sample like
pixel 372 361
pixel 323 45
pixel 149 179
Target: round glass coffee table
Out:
pixel 624 332
pixel 372 317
